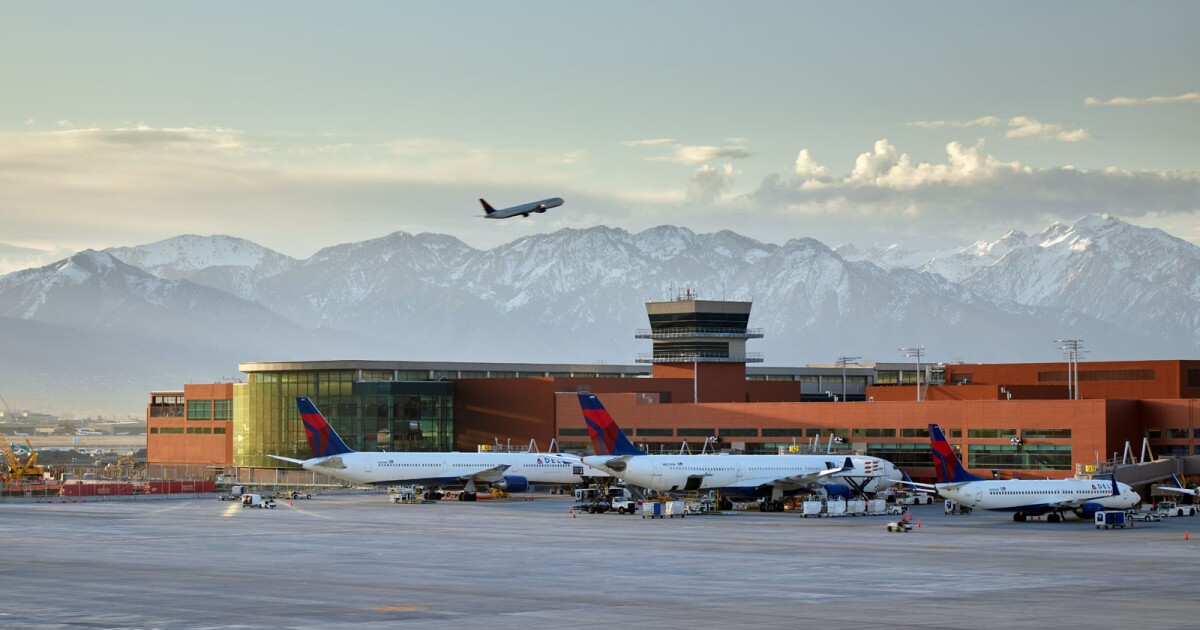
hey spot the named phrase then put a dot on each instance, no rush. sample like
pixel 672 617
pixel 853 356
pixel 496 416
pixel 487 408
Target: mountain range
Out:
pixel 101 329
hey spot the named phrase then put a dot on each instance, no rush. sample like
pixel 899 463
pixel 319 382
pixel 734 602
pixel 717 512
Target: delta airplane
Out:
pixel 1022 497
pixel 1178 487
pixel 769 477
pixel 523 209
pixel 512 472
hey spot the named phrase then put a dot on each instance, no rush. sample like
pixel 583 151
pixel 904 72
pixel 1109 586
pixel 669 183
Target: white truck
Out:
pixel 1171 508
pixel 235 493
pixel 914 498
pixel 257 500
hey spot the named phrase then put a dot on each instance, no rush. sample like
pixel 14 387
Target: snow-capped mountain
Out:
pixel 577 295
pixel 223 262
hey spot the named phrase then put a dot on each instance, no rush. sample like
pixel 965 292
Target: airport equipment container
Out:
pixel 674 508
pixel 652 509
pixel 856 507
pixel 1110 518
pixel 812 507
pixel 876 506
pixel 835 507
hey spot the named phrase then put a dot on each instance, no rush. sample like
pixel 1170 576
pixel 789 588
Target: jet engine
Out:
pixel 512 483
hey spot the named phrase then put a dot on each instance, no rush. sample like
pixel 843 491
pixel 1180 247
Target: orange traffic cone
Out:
pixel 571 510
pixel 918 524
pixel 1185 536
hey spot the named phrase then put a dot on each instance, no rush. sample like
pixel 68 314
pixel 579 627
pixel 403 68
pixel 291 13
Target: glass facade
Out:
pixel 1026 457
pixel 369 415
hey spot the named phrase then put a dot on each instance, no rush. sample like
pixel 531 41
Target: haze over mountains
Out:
pixel 97 331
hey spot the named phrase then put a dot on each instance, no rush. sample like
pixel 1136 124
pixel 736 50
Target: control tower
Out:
pixel 702 340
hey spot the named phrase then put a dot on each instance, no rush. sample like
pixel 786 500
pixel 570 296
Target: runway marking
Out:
pixel 394 608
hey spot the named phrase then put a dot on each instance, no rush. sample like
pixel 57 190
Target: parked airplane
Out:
pixel 1178 487
pixel 524 209
pixel 1022 497
pixel 769 477
pixel 513 472
pixel 87 432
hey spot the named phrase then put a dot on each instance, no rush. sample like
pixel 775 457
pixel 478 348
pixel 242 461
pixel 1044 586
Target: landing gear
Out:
pixel 726 505
pixel 433 496
pixel 769 505
pixel 468 496
pixel 1019 517
pixel 1054 517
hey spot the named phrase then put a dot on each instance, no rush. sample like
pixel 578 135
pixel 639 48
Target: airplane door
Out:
pixel 367 465
pixel 656 472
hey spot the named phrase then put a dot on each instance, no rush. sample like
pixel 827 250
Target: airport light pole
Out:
pixel 1072 348
pixel 843 361
pixel 916 352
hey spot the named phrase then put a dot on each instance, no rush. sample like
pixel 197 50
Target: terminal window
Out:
pixel 573 432
pixel 739 433
pixel 982 434
pixel 1046 434
pixel 874 433
pixel 199 409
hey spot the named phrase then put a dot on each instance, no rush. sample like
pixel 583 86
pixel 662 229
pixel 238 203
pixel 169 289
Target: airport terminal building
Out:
pixel 698 383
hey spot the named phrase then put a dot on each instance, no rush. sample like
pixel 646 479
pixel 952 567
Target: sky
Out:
pixel 303 125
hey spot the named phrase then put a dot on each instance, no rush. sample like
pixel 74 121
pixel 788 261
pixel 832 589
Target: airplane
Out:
pixel 523 209
pixel 1178 487
pixel 766 477
pixel 511 472
pixel 1022 497
pixel 87 432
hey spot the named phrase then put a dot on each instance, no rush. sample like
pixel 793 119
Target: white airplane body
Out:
pixel 769 477
pixel 513 472
pixel 524 209
pixel 747 475
pixel 506 471
pixel 1022 497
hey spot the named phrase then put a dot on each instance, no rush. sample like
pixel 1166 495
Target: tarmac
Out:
pixel 356 560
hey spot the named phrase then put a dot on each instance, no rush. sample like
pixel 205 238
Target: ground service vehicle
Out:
pixel 954 507
pixel 235 494
pixel 914 498
pixel 1171 508
pixel 1110 518
pixel 899 526
pixel 257 500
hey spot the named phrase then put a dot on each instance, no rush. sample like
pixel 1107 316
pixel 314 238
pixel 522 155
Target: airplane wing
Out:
pixel 613 463
pixel 287 459
pixel 1174 489
pixel 799 481
pixel 487 475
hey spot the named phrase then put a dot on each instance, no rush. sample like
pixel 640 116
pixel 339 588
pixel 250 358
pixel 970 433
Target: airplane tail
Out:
pixel 607 437
pixel 321 436
pixel 946 466
pixel 487 207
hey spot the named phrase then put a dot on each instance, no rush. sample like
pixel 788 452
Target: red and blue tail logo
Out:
pixel 946 467
pixel 607 437
pixel 321 437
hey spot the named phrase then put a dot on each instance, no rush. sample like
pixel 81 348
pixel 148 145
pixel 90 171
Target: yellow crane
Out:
pixel 18 469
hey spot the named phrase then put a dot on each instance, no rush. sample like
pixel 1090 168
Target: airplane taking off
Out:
pixel 1022 497
pixel 512 472
pixel 769 477
pixel 523 209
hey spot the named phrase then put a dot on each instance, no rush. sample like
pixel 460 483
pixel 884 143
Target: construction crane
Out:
pixel 19 470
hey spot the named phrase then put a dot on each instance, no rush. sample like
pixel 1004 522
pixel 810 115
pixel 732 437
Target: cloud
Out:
pixel 1190 97
pixel 690 154
pixel 1026 127
pixel 1018 127
pixel 982 121
pixel 807 168
pixel 708 183
pixel 656 142
pixel 891 192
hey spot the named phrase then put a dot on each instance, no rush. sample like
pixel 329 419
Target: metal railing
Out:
pixel 698 331
pixel 698 357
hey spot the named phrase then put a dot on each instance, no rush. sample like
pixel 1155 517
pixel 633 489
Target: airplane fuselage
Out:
pixel 525 209
pixel 452 468
pixel 1039 496
pixel 743 475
